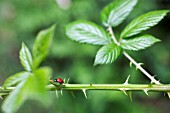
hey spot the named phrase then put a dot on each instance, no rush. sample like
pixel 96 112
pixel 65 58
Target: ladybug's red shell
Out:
pixel 59 80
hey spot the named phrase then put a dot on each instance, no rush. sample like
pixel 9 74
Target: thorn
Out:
pixel 84 91
pixel 138 65
pixel 123 90
pixel 130 64
pixel 168 94
pixel 141 64
pixel 56 93
pixel 72 94
pixel 64 80
pixel 67 80
pixel 155 82
pixel 130 95
pixel 164 94
pixel 1 98
pixel 126 82
pixel 61 91
pixel 159 80
pixel 146 92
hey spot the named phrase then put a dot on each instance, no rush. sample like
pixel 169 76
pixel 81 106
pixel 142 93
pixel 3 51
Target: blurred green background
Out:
pixel 21 20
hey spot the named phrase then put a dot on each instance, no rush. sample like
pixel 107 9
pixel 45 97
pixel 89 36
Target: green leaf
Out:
pixel 138 43
pixel 35 86
pixel 32 87
pixel 107 54
pixel 12 103
pixel 25 58
pixel 87 32
pixel 42 45
pixel 15 79
pixel 116 12
pixel 143 22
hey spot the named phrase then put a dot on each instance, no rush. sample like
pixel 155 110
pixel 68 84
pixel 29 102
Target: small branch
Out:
pixel 113 36
pixel 138 66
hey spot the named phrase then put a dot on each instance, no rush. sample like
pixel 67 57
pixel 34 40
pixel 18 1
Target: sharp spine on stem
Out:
pixel 146 92
pixel 123 90
pixel 73 94
pixel 67 80
pixel 139 65
pixel 127 80
pixel 56 93
pixel 84 91
pixel 131 64
pixel 130 95
pixel 61 91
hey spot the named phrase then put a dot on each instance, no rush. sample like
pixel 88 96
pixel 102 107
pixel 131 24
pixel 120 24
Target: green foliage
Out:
pixel 26 58
pixel 42 45
pixel 139 42
pixel 107 54
pixel 87 32
pixel 35 86
pixel 116 12
pixel 113 15
pixel 15 99
pixel 143 22
pixel 30 85
pixel 29 17
pixel 15 79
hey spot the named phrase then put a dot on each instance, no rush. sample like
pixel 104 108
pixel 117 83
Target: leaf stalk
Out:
pixel 138 65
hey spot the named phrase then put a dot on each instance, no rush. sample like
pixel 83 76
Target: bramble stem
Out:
pixel 138 65
pixel 118 87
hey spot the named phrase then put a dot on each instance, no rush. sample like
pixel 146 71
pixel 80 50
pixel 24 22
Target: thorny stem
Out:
pixel 138 65
pixel 118 87
pixel 127 87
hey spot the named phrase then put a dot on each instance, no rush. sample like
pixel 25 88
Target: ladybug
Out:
pixel 59 80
